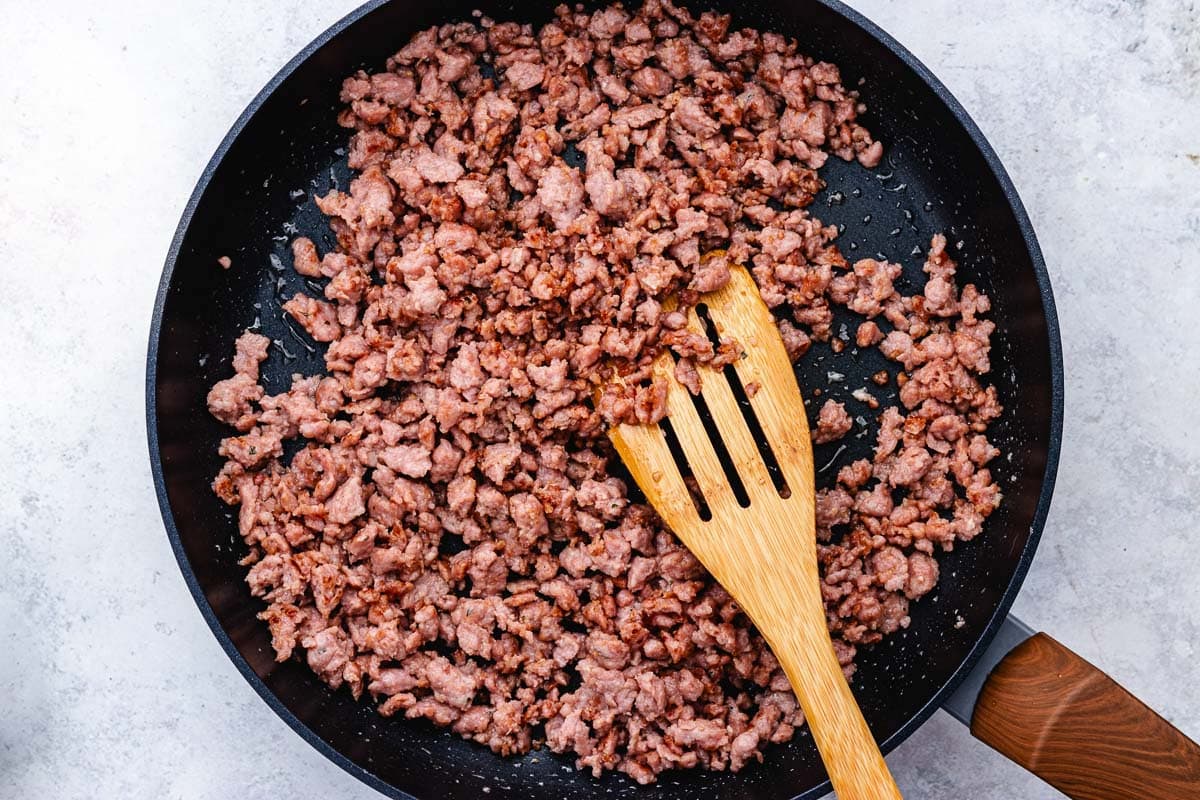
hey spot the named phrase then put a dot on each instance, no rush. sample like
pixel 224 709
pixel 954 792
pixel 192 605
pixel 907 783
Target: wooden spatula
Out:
pixel 764 554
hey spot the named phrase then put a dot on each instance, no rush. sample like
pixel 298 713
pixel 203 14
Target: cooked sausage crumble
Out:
pixel 450 538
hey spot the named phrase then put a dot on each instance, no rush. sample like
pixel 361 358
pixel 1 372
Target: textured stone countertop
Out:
pixel 113 686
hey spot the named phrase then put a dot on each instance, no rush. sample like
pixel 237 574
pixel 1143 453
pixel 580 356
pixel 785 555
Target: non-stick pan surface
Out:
pixel 939 175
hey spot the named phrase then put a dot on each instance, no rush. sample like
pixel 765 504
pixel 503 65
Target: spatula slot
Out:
pixel 714 435
pixel 685 469
pixel 748 414
pixel 756 430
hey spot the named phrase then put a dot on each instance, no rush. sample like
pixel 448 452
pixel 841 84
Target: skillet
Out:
pixel 939 174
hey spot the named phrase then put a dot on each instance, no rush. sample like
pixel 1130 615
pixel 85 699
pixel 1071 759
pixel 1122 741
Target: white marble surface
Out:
pixel 112 684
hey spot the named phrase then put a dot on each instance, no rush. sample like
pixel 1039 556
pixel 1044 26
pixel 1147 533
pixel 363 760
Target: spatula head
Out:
pixel 757 538
pixel 768 427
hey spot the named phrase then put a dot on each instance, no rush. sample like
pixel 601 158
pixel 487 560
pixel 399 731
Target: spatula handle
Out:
pixel 852 758
pixel 1071 725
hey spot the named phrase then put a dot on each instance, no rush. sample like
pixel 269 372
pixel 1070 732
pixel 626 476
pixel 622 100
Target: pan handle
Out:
pixel 1067 722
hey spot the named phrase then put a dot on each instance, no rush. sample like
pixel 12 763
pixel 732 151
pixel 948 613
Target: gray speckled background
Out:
pixel 112 684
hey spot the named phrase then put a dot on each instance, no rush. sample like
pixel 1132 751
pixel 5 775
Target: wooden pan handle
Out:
pixel 1071 725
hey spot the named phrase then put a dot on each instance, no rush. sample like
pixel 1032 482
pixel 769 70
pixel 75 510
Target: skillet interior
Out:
pixel 936 177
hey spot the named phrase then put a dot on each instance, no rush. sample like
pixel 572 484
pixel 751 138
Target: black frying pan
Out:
pixel 939 175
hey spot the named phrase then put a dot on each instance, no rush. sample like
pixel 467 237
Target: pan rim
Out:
pixel 1054 355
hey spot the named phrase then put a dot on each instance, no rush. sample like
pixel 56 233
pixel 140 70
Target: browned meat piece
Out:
pixel 651 82
pixel 346 503
pixel 832 423
pixel 687 374
pixel 890 568
pixel 833 508
pixel 315 316
pixel 560 191
pixel 854 475
pixel 449 535
pixel 795 340
pixel 304 257
pixel 523 76
pixel 230 400
pixel 922 575
pixel 711 275
pixel 868 335
pixel 909 466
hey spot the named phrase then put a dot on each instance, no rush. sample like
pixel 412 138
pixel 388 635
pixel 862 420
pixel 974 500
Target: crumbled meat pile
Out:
pixel 448 538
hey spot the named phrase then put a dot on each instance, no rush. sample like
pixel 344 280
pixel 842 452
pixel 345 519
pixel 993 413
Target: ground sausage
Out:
pixel 436 521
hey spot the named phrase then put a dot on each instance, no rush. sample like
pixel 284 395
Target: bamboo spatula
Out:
pixel 763 554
